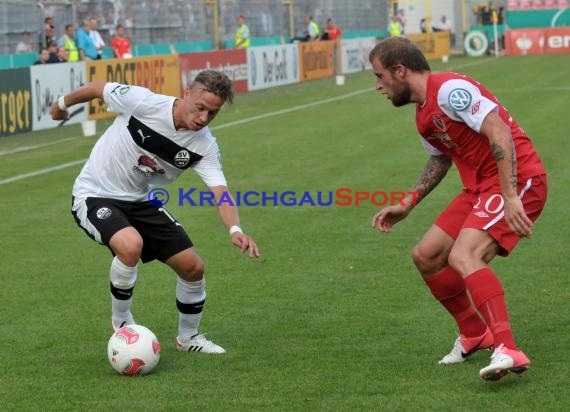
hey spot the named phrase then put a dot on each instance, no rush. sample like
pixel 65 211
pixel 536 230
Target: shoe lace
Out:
pixel 201 338
pixel 498 351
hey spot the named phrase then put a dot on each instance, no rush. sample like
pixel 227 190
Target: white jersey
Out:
pixel 142 148
pixel 96 39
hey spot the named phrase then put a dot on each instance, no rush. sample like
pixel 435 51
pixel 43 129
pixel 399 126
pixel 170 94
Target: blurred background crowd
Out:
pixel 170 21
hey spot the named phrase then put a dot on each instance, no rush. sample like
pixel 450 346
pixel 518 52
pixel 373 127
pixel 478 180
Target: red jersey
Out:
pixel 121 46
pixel 450 121
pixel 334 33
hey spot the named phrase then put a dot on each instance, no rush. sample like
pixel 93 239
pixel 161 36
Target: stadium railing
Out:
pixel 194 46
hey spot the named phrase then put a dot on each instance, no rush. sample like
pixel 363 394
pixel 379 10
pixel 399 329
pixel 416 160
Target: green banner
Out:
pixel 522 19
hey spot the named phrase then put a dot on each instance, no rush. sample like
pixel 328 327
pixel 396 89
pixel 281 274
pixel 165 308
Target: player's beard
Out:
pixel 402 95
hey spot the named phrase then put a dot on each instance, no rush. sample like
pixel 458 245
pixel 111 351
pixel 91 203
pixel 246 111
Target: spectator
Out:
pixel 49 32
pixel 44 56
pixel 86 47
pixel 68 42
pixel 242 34
pixel 313 32
pixel 120 44
pixel 394 28
pixel 52 49
pixel 501 15
pixel 486 13
pixel 445 25
pixel 25 44
pixel 402 20
pixel 332 31
pixel 96 37
pixel 62 54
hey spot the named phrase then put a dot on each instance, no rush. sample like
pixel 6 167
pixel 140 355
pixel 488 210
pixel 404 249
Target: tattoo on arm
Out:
pixel 513 166
pixel 498 151
pixel 499 154
pixel 434 171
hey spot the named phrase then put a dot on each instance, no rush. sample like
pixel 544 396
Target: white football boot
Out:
pixel 118 324
pixel 198 343
pixel 503 362
pixel 464 347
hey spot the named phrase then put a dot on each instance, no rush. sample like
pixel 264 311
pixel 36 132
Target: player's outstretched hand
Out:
pixel 388 217
pixel 245 243
pixel 56 113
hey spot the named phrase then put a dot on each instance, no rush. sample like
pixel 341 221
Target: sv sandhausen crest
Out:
pixel 104 213
pixel 182 158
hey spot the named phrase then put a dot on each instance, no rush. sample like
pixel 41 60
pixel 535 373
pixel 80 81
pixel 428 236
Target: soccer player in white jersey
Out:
pixel 151 142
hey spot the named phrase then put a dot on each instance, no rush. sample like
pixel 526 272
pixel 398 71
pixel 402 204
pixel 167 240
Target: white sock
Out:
pixel 123 279
pixel 190 299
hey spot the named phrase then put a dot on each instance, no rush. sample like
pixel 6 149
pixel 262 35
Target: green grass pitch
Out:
pixel 334 316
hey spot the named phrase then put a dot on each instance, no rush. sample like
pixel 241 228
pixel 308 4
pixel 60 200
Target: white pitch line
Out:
pixel 230 124
pixel 37 146
pixel 41 172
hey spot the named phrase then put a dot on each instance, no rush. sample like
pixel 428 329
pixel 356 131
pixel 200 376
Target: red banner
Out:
pixel 231 62
pixel 547 40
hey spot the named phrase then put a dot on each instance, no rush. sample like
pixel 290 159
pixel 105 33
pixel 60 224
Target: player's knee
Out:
pixel 427 263
pixel 128 249
pixel 458 260
pixel 417 256
pixel 194 271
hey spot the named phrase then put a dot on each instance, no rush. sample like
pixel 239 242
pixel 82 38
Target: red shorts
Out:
pixel 485 211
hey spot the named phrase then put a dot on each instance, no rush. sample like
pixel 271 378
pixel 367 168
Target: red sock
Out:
pixel 448 287
pixel 489 298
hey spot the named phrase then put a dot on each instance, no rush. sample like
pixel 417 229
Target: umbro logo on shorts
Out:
pixel 481 214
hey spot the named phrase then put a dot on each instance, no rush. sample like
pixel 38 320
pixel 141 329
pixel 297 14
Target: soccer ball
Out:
pixel 133 350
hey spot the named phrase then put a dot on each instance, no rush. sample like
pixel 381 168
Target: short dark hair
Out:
pixel 215 82
pixel 399 50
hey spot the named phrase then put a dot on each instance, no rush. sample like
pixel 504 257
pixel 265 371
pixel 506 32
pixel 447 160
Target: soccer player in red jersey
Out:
pixel 505 190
